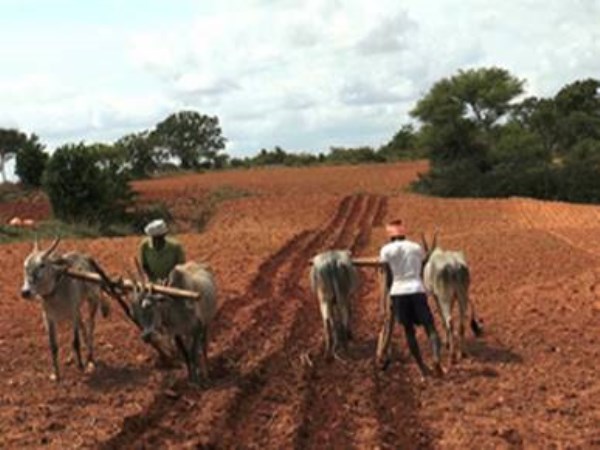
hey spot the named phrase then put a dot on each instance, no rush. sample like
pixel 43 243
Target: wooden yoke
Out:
pixel 129 285
pixel 115 289
pixel 365 261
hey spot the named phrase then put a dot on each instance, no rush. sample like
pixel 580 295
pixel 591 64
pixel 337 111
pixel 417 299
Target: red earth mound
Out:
pixel 529 382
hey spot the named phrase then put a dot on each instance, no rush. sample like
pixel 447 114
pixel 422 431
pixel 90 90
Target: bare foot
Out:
pixel 90 367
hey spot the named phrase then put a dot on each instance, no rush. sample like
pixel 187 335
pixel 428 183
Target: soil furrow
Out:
pixel 269 414
pixel 324 406
pixel 269 327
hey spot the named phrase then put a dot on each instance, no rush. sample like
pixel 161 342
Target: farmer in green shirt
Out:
pixel 159 254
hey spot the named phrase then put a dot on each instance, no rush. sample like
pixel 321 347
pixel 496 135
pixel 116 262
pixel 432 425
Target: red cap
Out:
pixel 395 228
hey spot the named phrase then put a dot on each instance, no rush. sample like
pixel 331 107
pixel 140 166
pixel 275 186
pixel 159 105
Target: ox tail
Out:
pixel 327 276
pixel 475 323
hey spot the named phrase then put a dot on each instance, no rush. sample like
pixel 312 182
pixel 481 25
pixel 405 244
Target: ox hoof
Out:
pixel 438 372
pixel 90 367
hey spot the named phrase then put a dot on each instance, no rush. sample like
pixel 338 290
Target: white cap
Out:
pixel 155 228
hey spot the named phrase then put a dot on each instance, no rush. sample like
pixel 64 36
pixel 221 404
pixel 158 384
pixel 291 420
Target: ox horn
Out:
pixel 135 283
pixel 143 279
pixel 36 244
pixel 435 236
pixel 424 241
pixel 52 247
pixel 140 271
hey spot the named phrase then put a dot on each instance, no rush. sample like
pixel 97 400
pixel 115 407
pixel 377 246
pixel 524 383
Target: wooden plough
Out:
pixel 118 289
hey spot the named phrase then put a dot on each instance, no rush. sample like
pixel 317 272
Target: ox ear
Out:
pixel 161 299
pixel 62 263
pixel 51 248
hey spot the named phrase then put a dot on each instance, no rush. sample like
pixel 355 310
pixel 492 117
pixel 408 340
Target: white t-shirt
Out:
pixel 405 259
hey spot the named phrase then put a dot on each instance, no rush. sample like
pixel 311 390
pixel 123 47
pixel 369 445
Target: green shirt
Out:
pixel 159 263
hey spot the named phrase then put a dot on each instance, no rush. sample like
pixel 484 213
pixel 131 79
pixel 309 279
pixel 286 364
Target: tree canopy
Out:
pixel 194 139
pixel 483 141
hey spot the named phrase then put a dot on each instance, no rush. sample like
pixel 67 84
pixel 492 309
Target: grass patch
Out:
pixel 207 206
pixel 10 192
pixel 204 209
pixel 48 230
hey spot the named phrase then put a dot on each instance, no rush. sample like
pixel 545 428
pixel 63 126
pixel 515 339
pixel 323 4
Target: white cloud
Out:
pixel 303 75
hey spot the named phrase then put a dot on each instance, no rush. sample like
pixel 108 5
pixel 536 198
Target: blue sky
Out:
pixel 305 75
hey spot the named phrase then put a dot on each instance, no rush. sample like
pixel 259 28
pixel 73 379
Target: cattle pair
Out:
pixel 185 320
pixel 445 274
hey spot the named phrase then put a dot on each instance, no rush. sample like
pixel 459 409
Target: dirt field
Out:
pixel 530 382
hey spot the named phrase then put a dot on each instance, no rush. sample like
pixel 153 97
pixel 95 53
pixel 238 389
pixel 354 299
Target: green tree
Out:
pixel 192 138
pixel 459 113
pixel 578 110
pixel 539 115
pixel 30 162
pixel 402 146
pixel 143 154
pixel 87 183
pixel 359 155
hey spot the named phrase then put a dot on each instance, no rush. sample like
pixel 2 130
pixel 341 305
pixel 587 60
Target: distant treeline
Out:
pixel 481 135
pixel 402 147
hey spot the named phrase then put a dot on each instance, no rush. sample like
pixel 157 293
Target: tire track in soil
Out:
pixel 146 426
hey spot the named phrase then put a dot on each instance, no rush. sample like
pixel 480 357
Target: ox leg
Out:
pixel 77 343
pixel 346 333
pixel 445 306
pixel 93 310
pixel 53 349
pixel 186 357
pixel 205 372
pixel 461 329
pixel 463 303
pixel 327 331
pixel 199 349
pixel 327 342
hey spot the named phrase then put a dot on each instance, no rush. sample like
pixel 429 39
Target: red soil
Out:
pixel 531 381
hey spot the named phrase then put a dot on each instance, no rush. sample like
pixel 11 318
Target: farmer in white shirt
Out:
pixel 403 280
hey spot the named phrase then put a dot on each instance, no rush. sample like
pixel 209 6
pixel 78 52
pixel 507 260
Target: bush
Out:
pixel 360 155
pixel 87 184
pixel 30 162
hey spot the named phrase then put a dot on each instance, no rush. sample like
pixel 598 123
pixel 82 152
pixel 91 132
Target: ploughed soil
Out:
pixel 531 380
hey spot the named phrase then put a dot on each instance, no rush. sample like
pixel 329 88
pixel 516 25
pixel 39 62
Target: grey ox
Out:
pixel 446 275
pixel 333 279
pixel 61 298
pixel 186 320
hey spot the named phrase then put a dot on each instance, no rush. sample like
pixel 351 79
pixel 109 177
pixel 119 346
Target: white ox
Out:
pixel 185 320
pixel 446 276
pixel 62 296
pixel 333 279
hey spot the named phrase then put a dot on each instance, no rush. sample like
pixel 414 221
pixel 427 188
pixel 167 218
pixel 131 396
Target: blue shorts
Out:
pixel 411 309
